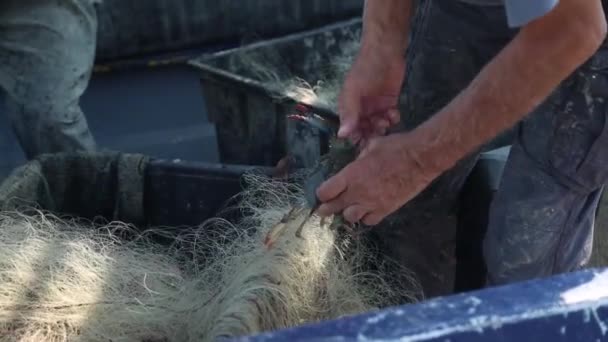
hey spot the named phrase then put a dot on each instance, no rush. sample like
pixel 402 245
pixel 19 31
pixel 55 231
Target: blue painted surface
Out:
pixel 157 111
pixel 571 307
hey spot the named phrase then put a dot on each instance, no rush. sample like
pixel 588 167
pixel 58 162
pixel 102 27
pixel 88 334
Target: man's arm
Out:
pixel 392 170
pixel 369 96
pixel 386 27
pixel 518 79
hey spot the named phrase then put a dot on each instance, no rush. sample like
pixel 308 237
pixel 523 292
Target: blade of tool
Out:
pixel 328 122
pixel 311 184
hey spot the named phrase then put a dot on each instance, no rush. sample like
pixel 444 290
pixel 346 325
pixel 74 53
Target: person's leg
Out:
pixel 542 218
pixel 450 44
pixel 47 51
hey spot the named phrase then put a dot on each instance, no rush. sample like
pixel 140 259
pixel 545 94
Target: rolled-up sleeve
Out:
pixel 521 12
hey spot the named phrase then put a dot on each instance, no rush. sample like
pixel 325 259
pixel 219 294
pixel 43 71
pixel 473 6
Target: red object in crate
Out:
pixel 321 118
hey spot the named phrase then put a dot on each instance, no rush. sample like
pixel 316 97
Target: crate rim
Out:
pixel 268 42
pixel 216 168
pixel 220 76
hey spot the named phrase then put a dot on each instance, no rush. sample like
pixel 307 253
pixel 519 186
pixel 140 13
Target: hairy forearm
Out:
pixel 386 26
pixel 516 81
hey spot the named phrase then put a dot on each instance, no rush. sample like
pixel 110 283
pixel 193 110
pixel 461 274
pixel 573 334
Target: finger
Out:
pixel 281 170
pixel 381 126
pixel 354 213
pixel 372 219
pixel 378 104
pixel 356 138
pixel 332 188
pixel 363 143
pixel 365 125
pixel 364 120
pixel 368 147
pixel 367 130
pixel 382 123
pixel 349 109
pixel 393 116
pixel 379 132
pixel 335 206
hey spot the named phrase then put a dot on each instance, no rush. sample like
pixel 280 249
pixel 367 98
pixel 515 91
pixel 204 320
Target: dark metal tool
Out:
pixel 328 122
pixel 312 183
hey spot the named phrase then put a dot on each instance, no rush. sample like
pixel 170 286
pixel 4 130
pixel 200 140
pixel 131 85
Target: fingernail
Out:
pixel 344 130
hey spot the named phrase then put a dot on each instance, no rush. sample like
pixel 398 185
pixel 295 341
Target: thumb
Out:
pixel 349 109
pixel 367 147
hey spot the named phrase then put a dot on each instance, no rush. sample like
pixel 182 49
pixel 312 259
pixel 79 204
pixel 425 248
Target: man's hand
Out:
pixel 368 100
pixel 387 174
pixel 367 104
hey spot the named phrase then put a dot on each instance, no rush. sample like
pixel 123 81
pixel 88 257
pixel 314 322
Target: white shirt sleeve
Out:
pixel 521 12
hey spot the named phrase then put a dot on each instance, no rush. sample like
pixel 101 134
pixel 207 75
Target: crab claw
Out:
pixel 276 231
pixel 274 234
pixel 281 170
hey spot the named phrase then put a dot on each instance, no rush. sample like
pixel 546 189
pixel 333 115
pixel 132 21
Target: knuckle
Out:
pixel 350 217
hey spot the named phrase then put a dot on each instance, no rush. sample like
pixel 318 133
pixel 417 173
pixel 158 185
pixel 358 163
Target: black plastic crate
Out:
pixel 251 122
pixel 131 188
pixel 187 193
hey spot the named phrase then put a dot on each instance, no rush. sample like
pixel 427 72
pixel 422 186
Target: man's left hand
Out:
pixel 386 175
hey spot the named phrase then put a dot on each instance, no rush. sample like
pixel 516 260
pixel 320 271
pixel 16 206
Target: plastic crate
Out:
pixel 132 188
pixel 136 27
pixel 181 193
pixel 250 121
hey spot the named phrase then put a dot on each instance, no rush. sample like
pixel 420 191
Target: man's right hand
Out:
pixel 367 104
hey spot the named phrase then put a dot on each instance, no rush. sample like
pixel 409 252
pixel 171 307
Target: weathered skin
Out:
pixel 541 221
pixel 341 153
pixel 47 50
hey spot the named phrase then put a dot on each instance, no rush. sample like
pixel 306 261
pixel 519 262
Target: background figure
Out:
pixel 47 52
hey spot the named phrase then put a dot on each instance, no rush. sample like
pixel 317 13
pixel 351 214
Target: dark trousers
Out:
pixel 542 218
pixel 47 51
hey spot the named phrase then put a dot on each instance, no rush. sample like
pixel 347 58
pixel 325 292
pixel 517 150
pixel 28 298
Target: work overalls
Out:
pixel 542 217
